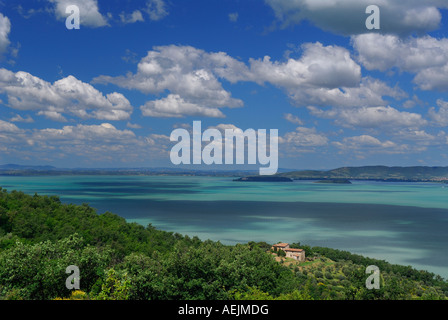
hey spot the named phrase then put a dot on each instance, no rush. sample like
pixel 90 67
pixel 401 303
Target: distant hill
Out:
pixel 29 170
pixel 418 173
pixel 21 167
pixel 381 173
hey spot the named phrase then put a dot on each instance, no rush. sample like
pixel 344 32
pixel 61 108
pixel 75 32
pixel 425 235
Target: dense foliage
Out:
pixel 40 237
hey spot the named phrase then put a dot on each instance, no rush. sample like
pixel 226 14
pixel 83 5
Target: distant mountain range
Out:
pixel 28 170
pixel 20 167
pixel 382 173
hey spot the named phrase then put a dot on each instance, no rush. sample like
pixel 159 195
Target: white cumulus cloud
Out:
pixel 135 16
pixel 426 57
pixel 156 9
pixel 293 119
pixel 190 75
pixel 5 29
pixel 373 117
pixel 364 141
pixel 90 15
pixel 304 137
pixel 66 96
pixel 195 76
pixel 173 106
pixel 7 127
pixel 347 17
pixel 319 66
pixel 440 116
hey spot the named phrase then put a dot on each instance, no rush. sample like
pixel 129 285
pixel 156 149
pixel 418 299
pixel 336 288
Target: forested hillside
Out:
pixel 374 173
pixel 40 237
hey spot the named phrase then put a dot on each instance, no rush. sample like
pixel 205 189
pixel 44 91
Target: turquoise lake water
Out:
pixel 404 223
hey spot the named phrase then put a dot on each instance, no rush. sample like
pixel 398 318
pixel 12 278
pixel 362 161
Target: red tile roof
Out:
pixel 281 245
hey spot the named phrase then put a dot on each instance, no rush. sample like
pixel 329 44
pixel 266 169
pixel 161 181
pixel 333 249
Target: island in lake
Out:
pixel 265 179
pixel 336 181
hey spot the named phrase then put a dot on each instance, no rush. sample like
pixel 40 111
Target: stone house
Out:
pixel 297 254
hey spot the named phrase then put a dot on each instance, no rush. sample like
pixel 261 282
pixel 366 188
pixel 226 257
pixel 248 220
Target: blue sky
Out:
pixel 110 93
